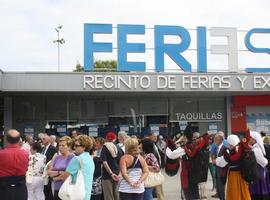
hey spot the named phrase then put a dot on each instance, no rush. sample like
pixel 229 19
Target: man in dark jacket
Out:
pixel 220 176
pixel 49 151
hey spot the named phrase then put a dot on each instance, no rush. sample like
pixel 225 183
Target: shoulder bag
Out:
pixel 73 191
pixel 153 179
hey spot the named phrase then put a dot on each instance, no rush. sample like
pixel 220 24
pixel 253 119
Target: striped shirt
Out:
pixel 134 174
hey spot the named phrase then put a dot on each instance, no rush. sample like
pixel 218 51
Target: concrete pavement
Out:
pixel 172 187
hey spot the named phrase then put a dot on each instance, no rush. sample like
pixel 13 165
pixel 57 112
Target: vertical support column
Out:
pixel 7 113
pixel 228 116
pixel 168 116
pixel 67 106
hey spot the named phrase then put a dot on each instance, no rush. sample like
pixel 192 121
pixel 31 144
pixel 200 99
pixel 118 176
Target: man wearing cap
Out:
pixel 110 169
pixel 14 164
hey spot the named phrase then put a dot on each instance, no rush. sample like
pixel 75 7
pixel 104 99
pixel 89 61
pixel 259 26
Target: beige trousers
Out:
pixel 160 192
pixel 110 189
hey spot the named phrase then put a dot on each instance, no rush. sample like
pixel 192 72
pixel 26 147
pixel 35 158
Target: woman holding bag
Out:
pixel 84 162
pixel 152 162
pixel 60 163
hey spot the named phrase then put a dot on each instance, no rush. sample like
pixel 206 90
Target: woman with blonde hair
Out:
pixel 60 163
pixel 134 171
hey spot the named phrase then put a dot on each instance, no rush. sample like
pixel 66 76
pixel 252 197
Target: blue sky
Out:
pixel 27 27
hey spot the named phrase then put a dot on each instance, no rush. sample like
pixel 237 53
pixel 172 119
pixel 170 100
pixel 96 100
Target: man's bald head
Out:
pixel 13 136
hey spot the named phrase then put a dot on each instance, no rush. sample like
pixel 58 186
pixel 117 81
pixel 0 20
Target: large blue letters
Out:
pixel 90 46
pixel 255 49
pixel 161 47
pixel 124 47
pixel 172 50
pixel 201 46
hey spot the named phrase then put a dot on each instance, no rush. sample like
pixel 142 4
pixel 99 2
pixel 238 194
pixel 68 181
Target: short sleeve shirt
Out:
pixel 112 162
pixel 60 163
pixel 88 169
pixel 37 163
pixel 13 160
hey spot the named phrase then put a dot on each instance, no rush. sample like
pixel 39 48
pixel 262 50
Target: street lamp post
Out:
pixel 59 41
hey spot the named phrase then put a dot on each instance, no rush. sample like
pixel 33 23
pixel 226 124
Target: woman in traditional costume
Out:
pixel 237 187
pixel 259 190
pixel 191 170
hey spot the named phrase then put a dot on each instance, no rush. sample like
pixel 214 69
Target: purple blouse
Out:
pixel 60 163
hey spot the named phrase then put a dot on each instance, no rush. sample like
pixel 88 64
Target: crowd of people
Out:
pixel 239 165
pixel 118 166
pixel 113 168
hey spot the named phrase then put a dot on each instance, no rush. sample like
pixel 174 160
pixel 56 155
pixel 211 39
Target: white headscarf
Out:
pixel 233 140
pixel 257 136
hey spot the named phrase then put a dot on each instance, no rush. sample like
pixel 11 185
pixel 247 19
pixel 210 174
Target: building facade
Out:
pixel 136 102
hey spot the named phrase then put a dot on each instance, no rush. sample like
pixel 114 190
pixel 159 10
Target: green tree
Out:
pixel 78 68
pixel 105 66
pixel 99 66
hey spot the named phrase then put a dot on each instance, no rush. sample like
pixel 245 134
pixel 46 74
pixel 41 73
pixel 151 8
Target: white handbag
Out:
pixel 45 177
pixel 154 179
pixel 70 191
pixel 29 175
pixel 30 172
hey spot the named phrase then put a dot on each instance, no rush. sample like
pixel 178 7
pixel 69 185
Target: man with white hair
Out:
pixel 48 150
pixel 122 137
pixel 153 136
pixel 53 140
pixel 218 140
pixel 161 145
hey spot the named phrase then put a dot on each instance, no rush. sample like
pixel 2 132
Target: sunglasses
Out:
pixel 77 145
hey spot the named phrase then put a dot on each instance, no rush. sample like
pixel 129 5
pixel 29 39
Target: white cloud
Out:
pixel 27 27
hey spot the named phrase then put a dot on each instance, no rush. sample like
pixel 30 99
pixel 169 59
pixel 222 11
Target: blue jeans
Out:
pixel 148 194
